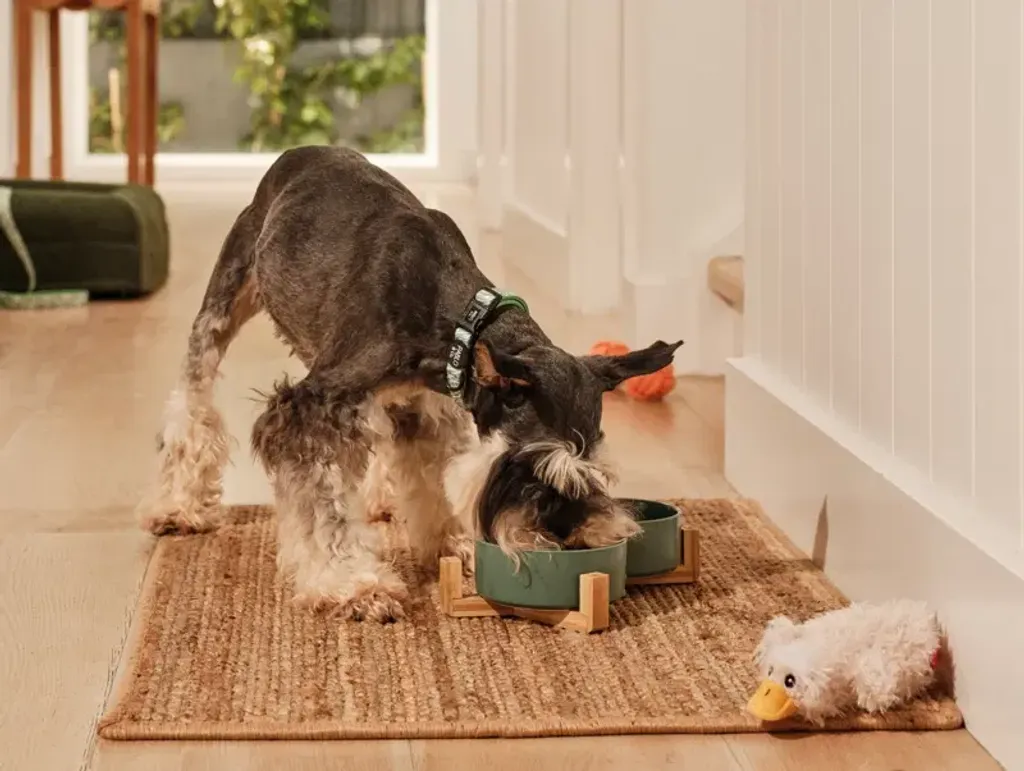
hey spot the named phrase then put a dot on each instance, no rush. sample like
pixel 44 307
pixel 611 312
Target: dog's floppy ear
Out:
pixel 612 370
pixel 492 369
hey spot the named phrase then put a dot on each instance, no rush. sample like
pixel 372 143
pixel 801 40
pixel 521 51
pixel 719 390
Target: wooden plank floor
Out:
pixel 81 394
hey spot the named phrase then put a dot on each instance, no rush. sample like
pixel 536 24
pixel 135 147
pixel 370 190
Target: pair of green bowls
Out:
pixel 551 579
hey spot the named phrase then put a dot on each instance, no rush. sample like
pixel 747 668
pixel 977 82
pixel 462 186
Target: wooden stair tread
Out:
pixel 725 278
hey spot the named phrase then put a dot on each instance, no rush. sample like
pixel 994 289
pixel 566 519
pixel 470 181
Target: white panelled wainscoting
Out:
pixel 877 409
pixel 611 140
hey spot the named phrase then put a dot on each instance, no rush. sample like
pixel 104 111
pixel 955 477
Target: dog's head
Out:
pixel 539 481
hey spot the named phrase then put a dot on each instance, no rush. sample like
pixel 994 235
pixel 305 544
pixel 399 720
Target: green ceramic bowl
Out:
pixel 656 549
pixel 547 579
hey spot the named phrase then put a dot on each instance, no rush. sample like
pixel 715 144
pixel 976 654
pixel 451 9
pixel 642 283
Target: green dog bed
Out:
pixel 111 240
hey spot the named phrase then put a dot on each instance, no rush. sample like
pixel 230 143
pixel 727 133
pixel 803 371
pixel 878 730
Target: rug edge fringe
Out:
pixel 124 730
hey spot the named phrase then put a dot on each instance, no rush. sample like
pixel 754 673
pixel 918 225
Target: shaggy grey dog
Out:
pixel 367 286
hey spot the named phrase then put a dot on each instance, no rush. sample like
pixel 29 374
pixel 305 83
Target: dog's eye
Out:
pixel 790 681
pixel 514 397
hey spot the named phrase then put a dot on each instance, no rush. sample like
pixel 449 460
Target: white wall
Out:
pixel 877 410
pixel 683 159
pixel 619 144
pixel 540 111
pixel 885 248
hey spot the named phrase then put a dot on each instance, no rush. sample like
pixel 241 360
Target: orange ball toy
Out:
pixel 653 387
pixel 609 348
pixel 646 388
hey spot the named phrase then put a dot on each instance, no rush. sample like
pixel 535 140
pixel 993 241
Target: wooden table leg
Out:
pixel 152 95
pixel 56 114
pixel 23 56
pixel 136 78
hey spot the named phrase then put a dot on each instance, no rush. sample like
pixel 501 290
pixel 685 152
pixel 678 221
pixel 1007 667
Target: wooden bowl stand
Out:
pixel 686 572
pixel 592 614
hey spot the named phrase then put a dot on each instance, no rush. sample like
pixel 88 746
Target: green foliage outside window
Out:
pixel 170 122
pixel 290 105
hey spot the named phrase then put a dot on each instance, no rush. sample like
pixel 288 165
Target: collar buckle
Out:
pixel 481 310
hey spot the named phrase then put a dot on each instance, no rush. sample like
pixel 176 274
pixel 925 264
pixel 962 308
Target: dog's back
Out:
pixel 344 247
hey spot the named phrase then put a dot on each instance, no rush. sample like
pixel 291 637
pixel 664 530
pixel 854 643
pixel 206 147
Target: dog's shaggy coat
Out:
pixel 365 284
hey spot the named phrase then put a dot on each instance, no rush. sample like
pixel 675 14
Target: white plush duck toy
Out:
pixel 868 656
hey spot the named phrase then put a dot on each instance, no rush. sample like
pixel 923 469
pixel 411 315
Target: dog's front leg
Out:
pixel 315 447
pixel 426 436
pixel 434 530
pixel 333 553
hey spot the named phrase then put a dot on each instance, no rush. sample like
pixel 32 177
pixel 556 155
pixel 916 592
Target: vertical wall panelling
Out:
pixel 508 180
pixel 817 301
pixel 912 149
pixel 951 302
pixel 997 250
pixel 540 116
pixel 624 134
pixel 791 169
pixel 631 122
pixel 682 163
pixel 454 27
pixel 688 157
pixel 752 225
pixel 769 182
pixel 595 271
pixel 846 153
pixel 876 223
pixel 492 155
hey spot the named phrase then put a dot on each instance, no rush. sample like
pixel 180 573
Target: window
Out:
pixel 242 80
pixel 266 75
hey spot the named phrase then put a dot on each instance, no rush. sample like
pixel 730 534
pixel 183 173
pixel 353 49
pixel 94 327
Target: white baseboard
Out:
pixel 848 509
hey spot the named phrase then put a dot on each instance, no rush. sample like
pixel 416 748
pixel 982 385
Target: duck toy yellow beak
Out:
pixel 771 702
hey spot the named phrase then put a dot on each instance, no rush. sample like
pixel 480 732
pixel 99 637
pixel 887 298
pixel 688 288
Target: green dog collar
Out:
pixel 486 305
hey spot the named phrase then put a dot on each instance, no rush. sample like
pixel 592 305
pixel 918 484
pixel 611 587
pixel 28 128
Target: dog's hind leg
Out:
pixel 194 444
pixel 315 445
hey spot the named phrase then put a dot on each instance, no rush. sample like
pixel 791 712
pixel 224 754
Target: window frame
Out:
pixel 449 130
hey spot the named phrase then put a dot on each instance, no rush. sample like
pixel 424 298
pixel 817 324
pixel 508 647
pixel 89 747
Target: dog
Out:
pixel 423 381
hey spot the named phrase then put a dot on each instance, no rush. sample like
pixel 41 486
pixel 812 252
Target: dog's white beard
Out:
pixel 565 469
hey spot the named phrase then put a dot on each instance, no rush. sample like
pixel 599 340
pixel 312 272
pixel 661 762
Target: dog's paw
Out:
pixel 368 597
pixel 326 604
pixel 177 521
pixel 461 546
pixel 377 604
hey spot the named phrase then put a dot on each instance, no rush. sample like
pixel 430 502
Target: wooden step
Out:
pixel 725 278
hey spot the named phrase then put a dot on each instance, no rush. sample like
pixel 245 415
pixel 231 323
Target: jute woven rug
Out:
pixel 220 653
